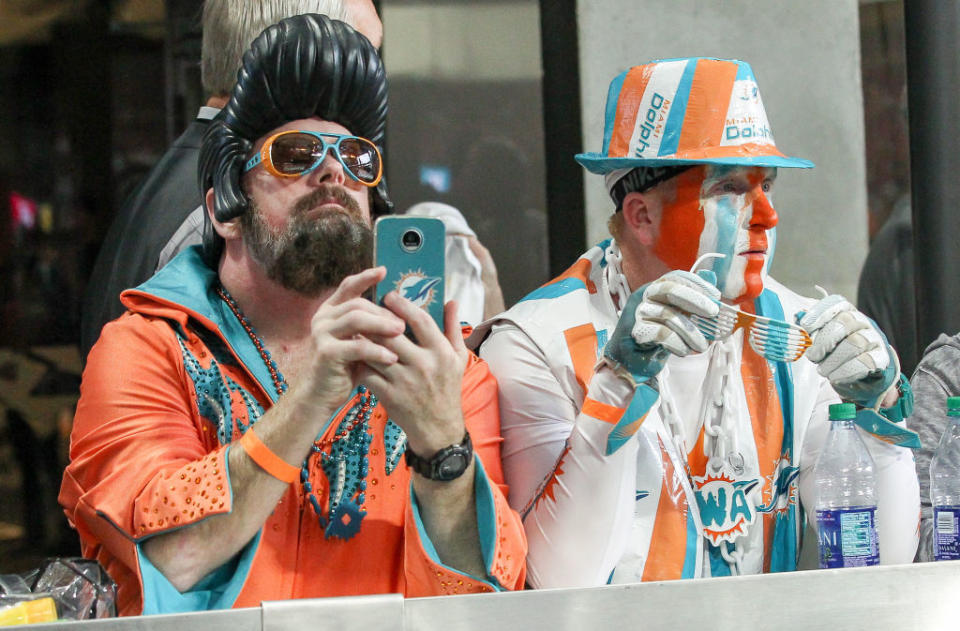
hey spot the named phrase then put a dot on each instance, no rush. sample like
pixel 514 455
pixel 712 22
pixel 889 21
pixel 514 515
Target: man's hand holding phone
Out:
pixel 346 332
pixel 422 389
pixel 417 376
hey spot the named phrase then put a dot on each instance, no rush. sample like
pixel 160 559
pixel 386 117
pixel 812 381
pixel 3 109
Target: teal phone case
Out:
pixel 416 273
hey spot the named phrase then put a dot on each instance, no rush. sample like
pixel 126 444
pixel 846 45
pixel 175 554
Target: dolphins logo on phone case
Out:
pixel 418 288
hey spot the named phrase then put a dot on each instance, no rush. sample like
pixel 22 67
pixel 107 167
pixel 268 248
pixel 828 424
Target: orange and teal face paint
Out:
pixel 725 210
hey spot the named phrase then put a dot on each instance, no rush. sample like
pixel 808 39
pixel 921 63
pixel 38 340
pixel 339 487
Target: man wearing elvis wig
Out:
pixel 253 428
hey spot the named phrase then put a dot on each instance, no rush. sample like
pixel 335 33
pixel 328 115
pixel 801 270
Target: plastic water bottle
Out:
pixel 945 487
pixel 846 504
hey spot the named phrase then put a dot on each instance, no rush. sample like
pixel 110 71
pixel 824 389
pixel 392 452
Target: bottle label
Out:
pixel 946 536
pixel 848 537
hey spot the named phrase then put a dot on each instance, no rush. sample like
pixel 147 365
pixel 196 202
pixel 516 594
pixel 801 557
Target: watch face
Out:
pixel 452 466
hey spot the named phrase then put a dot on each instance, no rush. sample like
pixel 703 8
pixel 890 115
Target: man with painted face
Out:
pixel 232 442
pixel 641 446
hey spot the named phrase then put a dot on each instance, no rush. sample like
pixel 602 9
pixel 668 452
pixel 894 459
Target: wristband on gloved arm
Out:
pixel 644 398
pixel 883 423
pixel 904 404
pixel 625 421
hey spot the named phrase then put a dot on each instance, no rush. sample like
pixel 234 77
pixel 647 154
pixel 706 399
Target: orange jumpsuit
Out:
pixel 171 386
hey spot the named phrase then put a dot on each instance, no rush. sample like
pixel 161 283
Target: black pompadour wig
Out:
pixel 304 66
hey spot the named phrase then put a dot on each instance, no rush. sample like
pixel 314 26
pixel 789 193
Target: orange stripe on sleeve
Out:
pixel 701 126
pixel 668 543
pixel 601 411
pixel 631 94
pixel 582 345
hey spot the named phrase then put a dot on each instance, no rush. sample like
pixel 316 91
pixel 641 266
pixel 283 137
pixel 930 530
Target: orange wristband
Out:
pixel 601 411
pixel 268 461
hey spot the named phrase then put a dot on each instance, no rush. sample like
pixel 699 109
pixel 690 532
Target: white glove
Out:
pixel 655 322
pixel 663 316
pixel 850 350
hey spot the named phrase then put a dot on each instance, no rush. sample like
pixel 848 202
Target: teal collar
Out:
pixel 188 283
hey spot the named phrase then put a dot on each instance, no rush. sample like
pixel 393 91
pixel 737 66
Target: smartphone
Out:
pixel 412 249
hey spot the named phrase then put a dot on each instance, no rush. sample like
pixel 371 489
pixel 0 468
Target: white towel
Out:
pixel 463 281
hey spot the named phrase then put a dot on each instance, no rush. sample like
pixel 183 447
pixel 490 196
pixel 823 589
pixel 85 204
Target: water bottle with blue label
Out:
pixel 846 504
pixel 945 487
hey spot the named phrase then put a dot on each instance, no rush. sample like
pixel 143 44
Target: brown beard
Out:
pixel 311 254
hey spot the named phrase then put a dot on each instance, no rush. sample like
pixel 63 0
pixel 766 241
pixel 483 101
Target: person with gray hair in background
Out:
pixel 164 214
pixel 936 378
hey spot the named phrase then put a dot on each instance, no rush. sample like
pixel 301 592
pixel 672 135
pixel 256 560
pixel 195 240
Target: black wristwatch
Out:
pixel 447 464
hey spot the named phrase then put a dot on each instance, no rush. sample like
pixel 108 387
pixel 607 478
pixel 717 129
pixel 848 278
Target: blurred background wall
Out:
pixel 466 123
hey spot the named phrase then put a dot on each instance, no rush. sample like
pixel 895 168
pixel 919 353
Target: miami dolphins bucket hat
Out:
pixel 686 111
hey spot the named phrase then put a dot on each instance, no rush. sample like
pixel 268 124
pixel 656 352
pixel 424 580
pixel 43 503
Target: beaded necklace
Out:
pixel 347 465
pixel 279 383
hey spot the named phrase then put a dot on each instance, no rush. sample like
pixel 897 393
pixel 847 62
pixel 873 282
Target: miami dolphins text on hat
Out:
pixel 734 130
pixel 696 110
pixel 653 121
pixel 746 120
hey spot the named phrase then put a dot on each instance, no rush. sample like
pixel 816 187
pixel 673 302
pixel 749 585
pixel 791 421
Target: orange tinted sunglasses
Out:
pixel 295 153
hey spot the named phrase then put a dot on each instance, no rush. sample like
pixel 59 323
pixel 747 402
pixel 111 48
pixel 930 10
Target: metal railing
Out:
pixel 919 596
